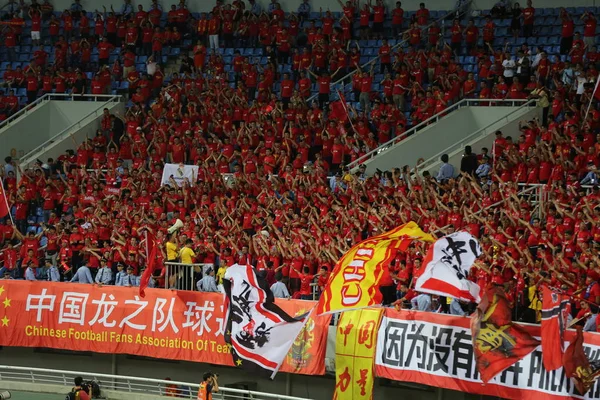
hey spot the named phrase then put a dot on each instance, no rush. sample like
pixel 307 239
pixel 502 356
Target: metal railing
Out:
pixel 434 118
pixel 181 276
pixel 478 133
pixel 29 108
pixel 127 384
pixel 108 99
pixel 460 10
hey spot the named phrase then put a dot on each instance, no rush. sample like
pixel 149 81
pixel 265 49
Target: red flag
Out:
pixel 554 321
pixel 577 365
pixel 150 263
pixel 4 210
pixel 498 343
pixel 339 109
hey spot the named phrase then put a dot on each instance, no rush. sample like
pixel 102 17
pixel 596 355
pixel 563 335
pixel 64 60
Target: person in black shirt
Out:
pixel 468 163
pixel 79 85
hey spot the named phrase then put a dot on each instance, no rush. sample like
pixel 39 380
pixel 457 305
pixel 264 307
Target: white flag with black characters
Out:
pixel 260 333
pixel 447 267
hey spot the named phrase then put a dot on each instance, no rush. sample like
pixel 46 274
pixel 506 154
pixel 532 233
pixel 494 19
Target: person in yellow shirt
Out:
pixel 172 251
pixel 219 277
pixel 186 273
pixel 186 254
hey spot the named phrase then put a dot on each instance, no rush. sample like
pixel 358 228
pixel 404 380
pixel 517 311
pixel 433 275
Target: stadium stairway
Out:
pixel 49 129
pixel 455 127
pixel 482 137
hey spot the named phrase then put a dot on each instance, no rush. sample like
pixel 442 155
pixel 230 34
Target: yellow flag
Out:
pixel 355 345
pixel 354 281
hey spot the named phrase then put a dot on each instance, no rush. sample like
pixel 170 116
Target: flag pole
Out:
pixel 5 195
pixel 592 98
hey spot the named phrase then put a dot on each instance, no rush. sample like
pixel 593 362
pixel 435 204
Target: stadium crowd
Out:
pixel 272 188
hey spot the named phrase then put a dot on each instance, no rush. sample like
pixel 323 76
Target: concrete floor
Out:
pixel 35 396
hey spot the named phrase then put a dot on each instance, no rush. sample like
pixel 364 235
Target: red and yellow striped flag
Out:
pixel 354 281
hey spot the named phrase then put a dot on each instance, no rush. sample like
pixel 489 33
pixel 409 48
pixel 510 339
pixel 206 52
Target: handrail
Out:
pixel 29 108
pixel 402 43
pixel 58 136
pixel 496 204
pixel 224 392
pixel 434 118
pixel 432 160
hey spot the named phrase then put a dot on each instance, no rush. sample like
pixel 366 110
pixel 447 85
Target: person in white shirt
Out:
pixel 509 66
pixel 278 288
pixel 151 66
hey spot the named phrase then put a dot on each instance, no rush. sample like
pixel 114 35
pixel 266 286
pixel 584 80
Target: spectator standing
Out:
pixel 589 29
pixel 446 170
pixel 255 8
pixel 83 275
pixel 52 272
pixel 304 10
pixel 397 20
pixel 528 19
pixel 278 288
pixel 130 279
pixel 76 9
pixel 208 282
pixel 120 274
pixel 209 385
pixel 104 275
pixel 30 272
pixel 422 15
pixel 468 163
pixel 567 32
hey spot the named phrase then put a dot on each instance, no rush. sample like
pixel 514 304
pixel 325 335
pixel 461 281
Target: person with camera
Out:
pixel 208 386
pixel 80 391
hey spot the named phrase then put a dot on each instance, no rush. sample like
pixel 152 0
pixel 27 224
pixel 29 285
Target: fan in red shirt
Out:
pixel 589 29
pixel 488 32
pixel 422 15
pixel 528 19
pixel 306 279
pixel 567 32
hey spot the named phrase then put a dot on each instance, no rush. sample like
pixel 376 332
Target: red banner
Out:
pixel 168 324
pixel 436 350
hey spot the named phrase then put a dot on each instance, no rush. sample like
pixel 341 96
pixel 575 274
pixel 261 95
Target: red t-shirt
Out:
pixel 305 281
pixel 324 82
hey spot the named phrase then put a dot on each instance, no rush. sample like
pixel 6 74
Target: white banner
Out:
pixel 436 350
pixel 179 172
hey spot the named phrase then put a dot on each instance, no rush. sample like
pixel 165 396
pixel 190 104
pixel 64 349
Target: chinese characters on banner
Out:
pixel 437 350
pixel 354 281
pixel 177 325
pixel 355 345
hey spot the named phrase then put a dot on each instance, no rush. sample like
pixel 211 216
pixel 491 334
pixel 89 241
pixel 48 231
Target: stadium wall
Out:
pixel 313 387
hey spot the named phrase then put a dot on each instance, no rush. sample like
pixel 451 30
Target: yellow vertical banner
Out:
pixel 355 345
